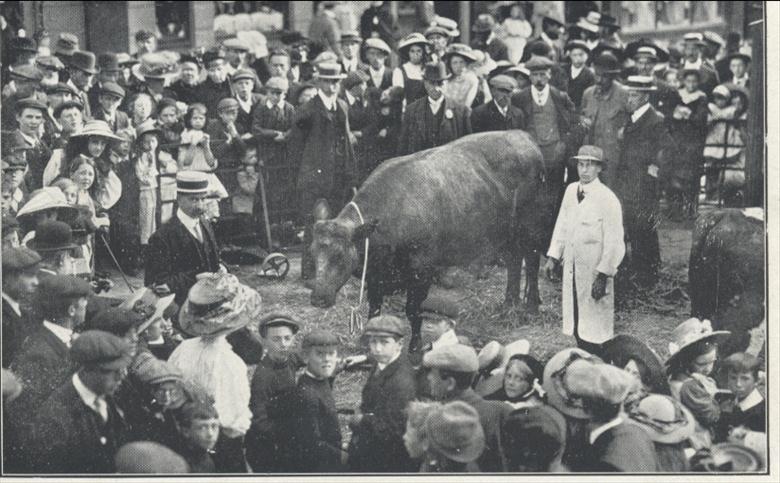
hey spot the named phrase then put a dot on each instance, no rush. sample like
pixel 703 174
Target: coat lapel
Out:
pixel 55 343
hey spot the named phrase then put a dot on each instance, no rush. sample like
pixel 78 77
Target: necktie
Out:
pixel 100 407
pixel 580 195
pixel 196 230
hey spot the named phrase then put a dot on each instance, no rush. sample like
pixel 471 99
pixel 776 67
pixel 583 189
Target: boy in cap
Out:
pixel 455 439
pixel 79 428
pixel 272 388
pixel 350 52
pixel 378 426
pixel 500 114
pixel 14 168
pixel 230 146
pixel 316 433
pixel 451 371
pixel 110 97
pixel 580 76
pixel 217 84
pixel 198 433
pixel 20 283
pixel 377 52
pixel 30 114
pixel 243 81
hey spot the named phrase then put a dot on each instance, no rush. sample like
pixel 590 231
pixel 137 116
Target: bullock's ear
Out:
pixel 364 230
pixel 321 210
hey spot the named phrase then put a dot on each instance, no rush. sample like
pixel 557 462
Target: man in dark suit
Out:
pixel 110 97
pixel 451 369
pixel 579 75
pixel 108 71
pixel 186 245
pixel 694 59
pixel 549 115
pixel 485 39
pixel 30 113
pixel 217 85
pixel 20 282
pixel 80 428
pixel 350 52
pixel 500 114
pixel 433 120
pixel 380 76
pixel 646 55
pixel 644 151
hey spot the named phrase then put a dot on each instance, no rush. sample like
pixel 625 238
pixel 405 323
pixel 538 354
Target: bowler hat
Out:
pixel 191 182
pixel 435 72
pixel 665 419
pixel 84 61
pixel 590 153
pixel 606 63
pixel 484 23
pixel 101 349
pixel 112 88
pixel 554 16
pixel 378 44
pixel 690 332
pixel 116 320
pixel 26 72
pixel 455 431
pixel 328 70
pixel 320 338
pixel 538 63
pixel 18 259
pixel 385 325
pixel 609 22
pixel 241 74
pixel 149 457
pixel 455 358
pixel 354 78
pixel 108 62
pixel 66 44
pixel 278 318
pixel 24 44
pixel 218 304
pixel 52 235
pixel 608 45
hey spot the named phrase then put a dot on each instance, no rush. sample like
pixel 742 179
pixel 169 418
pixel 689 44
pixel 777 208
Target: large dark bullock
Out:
pixel 726 273
pixel 446 206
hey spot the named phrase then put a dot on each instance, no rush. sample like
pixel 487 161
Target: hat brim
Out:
pixel 199 326
pixel 159 308
pixel 471 452
pixel 102 134
pixel 677 436
pixel 32 245
pixel 717 336
pixel 465 55
pixel 554 397
pixel 590 158
pixel 330 77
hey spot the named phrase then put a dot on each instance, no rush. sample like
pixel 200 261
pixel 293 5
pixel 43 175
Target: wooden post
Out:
pixel 755 152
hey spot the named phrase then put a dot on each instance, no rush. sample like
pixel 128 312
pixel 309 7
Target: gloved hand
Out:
pixel 599 288
pixel 551 268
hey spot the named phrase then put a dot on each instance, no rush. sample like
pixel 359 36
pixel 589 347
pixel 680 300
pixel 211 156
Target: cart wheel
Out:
pixel 275 265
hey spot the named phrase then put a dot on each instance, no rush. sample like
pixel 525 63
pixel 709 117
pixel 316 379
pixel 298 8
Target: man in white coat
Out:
pixel 588 237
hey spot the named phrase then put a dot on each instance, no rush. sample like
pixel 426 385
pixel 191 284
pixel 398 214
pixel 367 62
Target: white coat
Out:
pixel 588 236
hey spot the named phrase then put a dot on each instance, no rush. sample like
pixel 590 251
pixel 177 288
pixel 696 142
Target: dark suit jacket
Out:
pixel 69 437
pixel 624 448
pixel 15 330
pixel 563 106
pixel 486 117
pixel 416 137
pixel 576 87
pixel 121 120
pixel 387 78
pixel 496 48
pixel 175 257
pixel 377 443
pixel 244 121
pixel 37 158
pixel 491 415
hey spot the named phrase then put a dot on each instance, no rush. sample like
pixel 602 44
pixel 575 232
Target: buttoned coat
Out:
pixel 486 117
pixel 121 120
pixel 377 443
pixel 588 236
pixel 564 108
pixel 608 113
pixel 577 85
pixel 15 331
pixel 37 156
pixel 455 123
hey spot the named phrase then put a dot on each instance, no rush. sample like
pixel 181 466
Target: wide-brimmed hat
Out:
pixel 149 304
pixel 727 458
pixel 66 44
pixel 378 44
pixel 329 70
pixel 576 44
pixel 462 50
pixel 554 382
pixel 192 182
pixel 590 153
pixel 455 431
pixel 664 418
pixel 98 128
pixel 689 333
pixel 435 72
pixel 218 304
pixel 590 22
pixel 157 65
pixel 694 37
pixel 739 55
pixel 84 61
pixel 49 197
pixel 415 38
pixel 150 125
pixel 646 47
pixel 493 359
pixel 51 236
pixel 623 348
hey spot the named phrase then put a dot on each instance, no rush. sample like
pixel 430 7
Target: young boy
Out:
pixel 749 408
pixel 316 430
pixel 199 430
pixel 377 441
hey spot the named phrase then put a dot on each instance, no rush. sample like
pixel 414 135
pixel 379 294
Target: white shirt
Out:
pixel 63 333
pixel 350 65
pixel 639 112
pixel 742 81
pixel 602 429
pixel 279 104
pixel 575 71
pixel 192 224
pixel 435 105
pixel 446 339
pixel 295 71
pixel 752 399
pixel 13 303
pixel 413 71
pixel 540 97
pixel 693 65
pixel 502 110
pixel 329 102
pixel 92 400
pixel 350 98
pixel 245 106
pixel 377 75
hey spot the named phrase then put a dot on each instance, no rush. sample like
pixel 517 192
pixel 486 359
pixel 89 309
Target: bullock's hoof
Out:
pixel 510 303
pixel 532 308
pixel 308 283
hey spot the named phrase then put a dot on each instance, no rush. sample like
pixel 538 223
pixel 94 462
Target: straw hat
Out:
pixel 415 38
pixel 664 418
pixel 328 70
pixel 590 153
pixel 218 304
pixel 98 128
pixel 462 50
pixel 149 304
pixel 157 65
pixel 46 198
pixel 689 333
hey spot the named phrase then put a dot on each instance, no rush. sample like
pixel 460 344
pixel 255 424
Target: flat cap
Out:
pixel 149 457
pixel 503 82
pixel 385 325
pixel 151 370
pixel 102 349
pixel 115 320
pixel 68 105
pixel 278 318
pixel 439 306
pixel 236 44
pixel 243 74
pixel 455 358
pixel 320 338
pixel 30 103
pixel 61 87
pixel 354 78
pixel 17 259
pixel 599 381
pixel 227 103
pixel 378 44
pixel 351 36
pixel 26 72
pixel 538 63
pixel 277 84
pixel 63 286
pixel 50 62
pixel 112 88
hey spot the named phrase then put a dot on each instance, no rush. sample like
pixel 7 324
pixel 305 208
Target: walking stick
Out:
pixel 116 262
pixel 261 181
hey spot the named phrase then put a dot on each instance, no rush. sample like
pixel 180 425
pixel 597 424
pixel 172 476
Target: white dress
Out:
pixel 516 33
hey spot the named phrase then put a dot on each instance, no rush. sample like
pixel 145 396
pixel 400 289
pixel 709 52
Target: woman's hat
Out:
pixel 150 125
pixel 591 22
pixel 623 348
pixel 728 458
pixel 51 236
pixel 149 304
pixel 690 332
pixel 556 378
pixel 329 70
pixel 454 430
pixel 157 65
pixel 435 72
pixel 46 198
pixel 493 359
pixel 664 418
pixel 96 127
pixel 378 44
pixel 462 50
pixel 84 61
pixel 415 38
pixel 192 182
pixel 218 304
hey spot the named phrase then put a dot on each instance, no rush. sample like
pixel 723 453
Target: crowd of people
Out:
pixel 137 158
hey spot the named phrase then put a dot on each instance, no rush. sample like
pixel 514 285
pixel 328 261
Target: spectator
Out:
pixel 552 28
pixel 108 71
pixel 20 283
pixel 199 431
pixel 236 54
pixel 416 436
pixel 196 155
pixel 499 114
pixel 10 232
pixel 463 84
pixel 669 424
pixel 243 82
pixel 381 139
pixel 580 75
pixel 724 149
pixel 521 384
pixel 170 126
pixel 350 52
pixel 379 75
pixel 694 44
pixel 25 83
pixel 187 87
pixel 81 68
pixel 142 109
pixel 412 51
pixel 747 408
pixel 217 85
pixel 738 68
pixel 378 21
pixel 533 439
pixel 646 56
pixel 110 96
pixel 633 355
pixel 145 42
pixel 14 168
pixel 485 38
pixel 29 116
pixel 439 38
pixel 231 144
pixel 516 30
pixel 455 439
pixel 324 28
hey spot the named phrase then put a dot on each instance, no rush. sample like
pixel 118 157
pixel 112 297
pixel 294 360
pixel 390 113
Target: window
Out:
pixel 668 15
pixel 173 23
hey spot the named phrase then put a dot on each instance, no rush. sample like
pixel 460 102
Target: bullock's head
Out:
pixel 335 254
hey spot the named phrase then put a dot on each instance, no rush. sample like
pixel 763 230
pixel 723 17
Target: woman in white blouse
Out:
pixel 413 52
pixel 463 86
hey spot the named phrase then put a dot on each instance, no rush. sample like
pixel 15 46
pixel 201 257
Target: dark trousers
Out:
pixel 645 251
pixel 229 455
pixel 581 343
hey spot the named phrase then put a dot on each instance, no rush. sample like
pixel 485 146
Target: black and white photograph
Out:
pixel 370 240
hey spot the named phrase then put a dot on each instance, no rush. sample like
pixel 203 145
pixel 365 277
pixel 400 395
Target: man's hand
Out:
pixel 551 268
pixel 599 288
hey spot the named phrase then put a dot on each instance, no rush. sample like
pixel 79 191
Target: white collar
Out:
pixel 502 110
pixel 63 333
pixel 382 366
pixel 435 104
pixel 158 341
pixel 590 187
pixel 245 105
pixel 575 71
pixel 350 98
pixel 350 62
pixel 86 394
pixel 446 339
pixel 752 399
pixel 604 428
pixel 30 140
pixel 542 95
pixel 329 102
pixel 547 39
pixel 279 104
pixel 13 303
pixel 693 65
pixel 640 112
pixel 187 220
